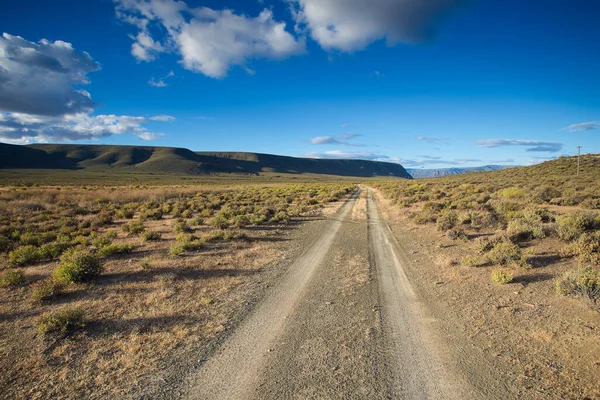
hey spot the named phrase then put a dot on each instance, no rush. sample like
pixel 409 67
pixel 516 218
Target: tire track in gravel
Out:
pixel 415 356
pixel 234 371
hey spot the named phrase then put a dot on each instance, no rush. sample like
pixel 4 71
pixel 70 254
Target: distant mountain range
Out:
pixel 180 161
pixel 434 173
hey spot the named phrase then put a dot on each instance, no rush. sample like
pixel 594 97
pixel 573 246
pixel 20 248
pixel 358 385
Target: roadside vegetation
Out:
pixel 509 220
pixel 97 279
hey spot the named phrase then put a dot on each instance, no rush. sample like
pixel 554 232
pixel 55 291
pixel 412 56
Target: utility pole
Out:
pixel 578 158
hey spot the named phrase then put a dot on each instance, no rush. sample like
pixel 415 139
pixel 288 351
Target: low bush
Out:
pixel 571 226
pixel 78 265
pixel 134 228
pixel 521 229
pixel 506 252
pixel 471 261
pixel 587 248
pixel 114 249
pixel 24 255
pixel 457 234
pixel 100 242
pixel 181 226
pixel 125 213
pixel 583 282
pixel 219 221
pixel 547 193
pixel 64 321
pixel 502 276
pixel 46 289
pixel 155 214
pixel 176 249
pixel 447 220
pixel 52 250
pixel 11 278
pixel 150 236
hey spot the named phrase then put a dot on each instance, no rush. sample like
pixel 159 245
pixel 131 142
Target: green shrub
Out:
pixel 512 193
pixel 102 219
pixel 281 216
pixel 219 221
pixel 447 220
pixel 583 282
pixel 571 226
pixel 521 229
pixel 197 221
pixel 52 250
pixel 101 242
pixel 176 249
pixel 114 249
pixel 24 255
pixel 46 289
pixel 547 193
pixel 125 213
pixel 5 243
pixel 78 265
pixel 506 252
pixel 150 236
pixel 456 234
pixel 11 278
pixel 240 221
pixel 502 276
pixel 429 212
pixel 587 248
pixel 64 321
pixel 29 238
pixel 181 226
pixel 471 261
pixel 155 214
pixel 134 227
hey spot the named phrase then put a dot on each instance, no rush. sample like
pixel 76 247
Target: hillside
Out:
pixel 161 160
pixel 418 173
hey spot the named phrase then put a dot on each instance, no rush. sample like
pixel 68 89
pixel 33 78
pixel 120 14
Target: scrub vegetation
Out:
pixel 95 279
pixel 515 217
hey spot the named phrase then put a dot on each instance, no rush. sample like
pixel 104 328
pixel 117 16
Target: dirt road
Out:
pixel 344 322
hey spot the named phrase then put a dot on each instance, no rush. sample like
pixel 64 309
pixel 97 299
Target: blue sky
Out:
pixel 430 83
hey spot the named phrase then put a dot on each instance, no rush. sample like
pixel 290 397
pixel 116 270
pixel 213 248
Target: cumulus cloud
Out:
pixel 43 78
pixel 208 41
pixel 25 128
pixel 532 145
pixel 340 140
pixel 40 98
pixel 348 155
pixel 350 25
pixel 584 126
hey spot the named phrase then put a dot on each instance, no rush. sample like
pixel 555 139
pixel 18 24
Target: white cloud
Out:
pixel 209 41
pixel 162 118
pixel 23 128
pixel 42 78
pixel 40 100
pixel 350 25
pixel 161 81
pixel 533 145
pixel 348 155
pixel 584 126
pixel 337 140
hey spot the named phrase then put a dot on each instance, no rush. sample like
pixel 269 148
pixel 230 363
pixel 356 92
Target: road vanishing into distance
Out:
pixel 344 322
